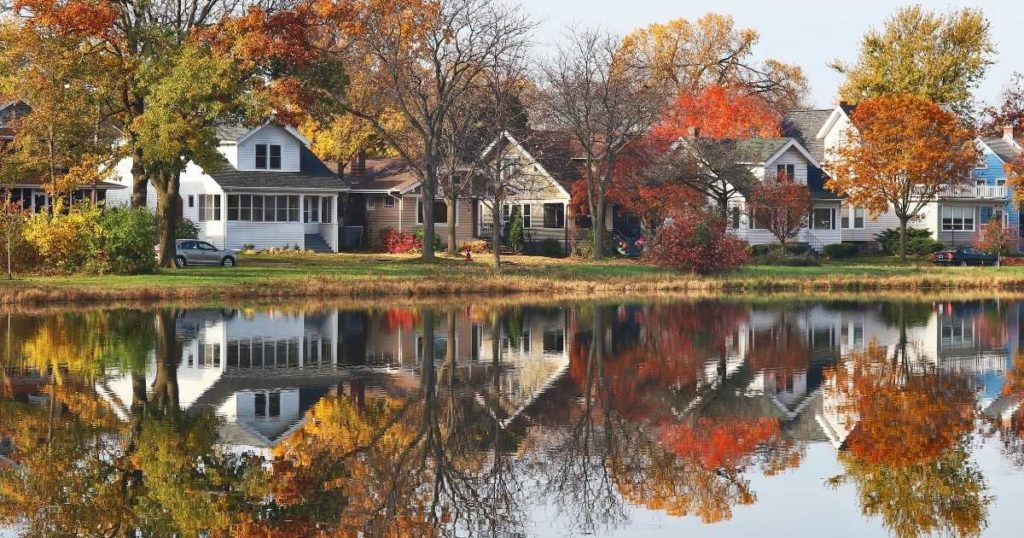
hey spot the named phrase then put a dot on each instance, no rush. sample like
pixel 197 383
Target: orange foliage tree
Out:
pixel 719 112
pixel 781 207
pixel 902 153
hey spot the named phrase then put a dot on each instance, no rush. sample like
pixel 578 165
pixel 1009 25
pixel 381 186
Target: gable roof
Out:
pixel 842 110
pixel 313 174
pixel 384 176
pixel 804 125
pixel 1007 150
pixel 237 133
pixel 555 151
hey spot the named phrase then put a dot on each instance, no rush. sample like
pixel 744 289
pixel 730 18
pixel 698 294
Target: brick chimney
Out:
pixel 357 166
pixel 693 132
pixel 1008 132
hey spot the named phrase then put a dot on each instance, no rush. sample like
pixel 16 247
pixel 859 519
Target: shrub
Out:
pixel 476 246
pixel 584 244
pixel 697 244
pixel 398 243
pixel 778 257
pixel 837 251
pixel 996 239
pixel 186 229
pixel 919 241
pixel 551 248
pixel 418 235
pixel 13 247
pixel 67 242
pixel 516 232
pixel 126 240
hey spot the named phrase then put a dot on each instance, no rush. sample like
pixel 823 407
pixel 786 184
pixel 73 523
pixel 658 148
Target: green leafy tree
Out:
pixel 516 233
pixel 941 57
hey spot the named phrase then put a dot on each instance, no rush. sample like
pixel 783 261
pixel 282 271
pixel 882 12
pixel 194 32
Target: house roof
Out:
pixel 555 151
pixel 313 174
pixel 803 125
pixel 762 149
pixel 102 185
pixel 232 132
pixel 383 175
pixel 1006 150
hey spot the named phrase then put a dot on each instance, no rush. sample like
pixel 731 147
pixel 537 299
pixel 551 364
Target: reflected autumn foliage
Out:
pixel 906 451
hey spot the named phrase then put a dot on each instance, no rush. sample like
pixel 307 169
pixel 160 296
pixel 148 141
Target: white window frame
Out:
pixel 832 218
pixel 958 216
pixel 268 151
pixel 389 201
pixel 371 201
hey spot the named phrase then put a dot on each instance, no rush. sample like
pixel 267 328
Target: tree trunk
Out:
pixel 496 233
pixel 903 239
pixel 597 225
pixel 166 212
pixel 139 180
pixel 453 243
pixel 723 208
pixel 429 188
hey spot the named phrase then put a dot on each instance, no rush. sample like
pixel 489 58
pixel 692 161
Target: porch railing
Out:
pixel 989 192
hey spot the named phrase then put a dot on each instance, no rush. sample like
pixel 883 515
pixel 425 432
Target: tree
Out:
pixel 12 226
pixel 421 58
pixel 903 152
pixel 1009 112
pixel 698 243
pixel 591 91
pixel 939 57
pixel 996 238
pixel 719 112
pixel 781 207
pixel 687 56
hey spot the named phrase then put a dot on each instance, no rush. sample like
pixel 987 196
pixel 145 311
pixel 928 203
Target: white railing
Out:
pixel 975 191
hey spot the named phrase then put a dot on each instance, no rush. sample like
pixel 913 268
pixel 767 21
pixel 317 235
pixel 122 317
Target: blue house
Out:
pixel 997 152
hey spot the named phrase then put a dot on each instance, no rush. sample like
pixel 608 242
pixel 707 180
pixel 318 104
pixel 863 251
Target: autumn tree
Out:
pixel 781 207
pixel 591 91
pixel 420 59
pixel 719 112
pixel 1009 111
pixel 686 56
pixel 903 152
pixel 935 56
pixel 12 225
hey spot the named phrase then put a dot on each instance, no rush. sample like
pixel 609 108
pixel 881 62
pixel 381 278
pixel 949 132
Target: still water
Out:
pixel 663 419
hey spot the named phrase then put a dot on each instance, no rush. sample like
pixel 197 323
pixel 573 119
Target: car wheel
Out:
pixel 228 261
pixel 180 262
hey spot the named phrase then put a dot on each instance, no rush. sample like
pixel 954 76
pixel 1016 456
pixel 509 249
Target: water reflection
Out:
pixel 488 421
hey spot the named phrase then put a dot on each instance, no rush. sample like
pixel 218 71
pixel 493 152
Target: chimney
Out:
pixel 693 132
pixel 357 166
pixel 1008 132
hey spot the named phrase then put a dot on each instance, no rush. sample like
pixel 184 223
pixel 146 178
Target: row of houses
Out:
pixel 272 191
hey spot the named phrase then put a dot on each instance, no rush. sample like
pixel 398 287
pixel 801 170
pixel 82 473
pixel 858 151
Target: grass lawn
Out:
pixel 376 275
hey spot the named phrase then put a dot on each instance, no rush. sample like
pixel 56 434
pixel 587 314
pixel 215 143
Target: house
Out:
pixel 270 191
pixel 998 152
pixel 30 192
pixel 770 159
pixel 385 193
pixel 953 218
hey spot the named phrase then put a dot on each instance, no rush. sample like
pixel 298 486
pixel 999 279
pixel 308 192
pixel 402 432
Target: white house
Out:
pixel 772 158
pixel 271 191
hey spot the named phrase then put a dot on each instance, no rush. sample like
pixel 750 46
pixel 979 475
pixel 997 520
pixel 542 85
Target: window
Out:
pixel 554 216
pixel 440 212
pixel 554 341
pixel 857 214
pixel 371 202
pixel 209 207
pixel 527 216
pixel 275 157
pixel 822 218
pixel 785 172
pixel 268 156
pixel 259 208
pixel 755 223
pixel 311 209
pixel 191 201
pixel 389 201
pixel 735 217
pixel 261 156
pixel 327 212
pixel 957 219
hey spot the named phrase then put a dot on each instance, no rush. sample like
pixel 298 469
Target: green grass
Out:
pixel 376 275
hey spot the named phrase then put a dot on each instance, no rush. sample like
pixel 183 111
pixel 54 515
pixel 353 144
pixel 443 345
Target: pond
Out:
pixel 711 418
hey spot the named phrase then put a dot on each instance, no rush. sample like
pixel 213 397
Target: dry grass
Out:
pixel 374 277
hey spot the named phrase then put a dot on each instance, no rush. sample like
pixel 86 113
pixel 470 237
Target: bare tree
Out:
pixel 422 67
pixel 590 91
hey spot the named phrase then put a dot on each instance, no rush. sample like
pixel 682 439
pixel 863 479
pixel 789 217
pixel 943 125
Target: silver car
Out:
pixel 195 252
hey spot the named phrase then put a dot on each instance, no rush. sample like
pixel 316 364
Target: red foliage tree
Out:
pixel 719 112
pixel 996 238
pixel 781 207
pixel 695 243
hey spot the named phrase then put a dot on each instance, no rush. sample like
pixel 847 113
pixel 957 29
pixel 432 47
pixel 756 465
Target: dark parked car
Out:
pixel 194 252
pixel 964 256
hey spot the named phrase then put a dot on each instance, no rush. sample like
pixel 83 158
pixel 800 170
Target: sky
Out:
pixel 808 33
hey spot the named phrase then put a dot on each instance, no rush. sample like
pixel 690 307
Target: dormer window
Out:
pixel 268 156
pixel 785 172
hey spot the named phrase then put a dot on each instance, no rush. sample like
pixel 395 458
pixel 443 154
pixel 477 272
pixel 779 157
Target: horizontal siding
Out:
pixel 265 234
pixel 402 217
pixel 270 134
pixel 790 156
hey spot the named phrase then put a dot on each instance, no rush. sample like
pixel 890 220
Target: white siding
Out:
pixel 871 226
pixel 270 134
pixel 265 234
pixel 790 156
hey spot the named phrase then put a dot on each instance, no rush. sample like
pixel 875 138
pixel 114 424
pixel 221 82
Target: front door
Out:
pixel 311 214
